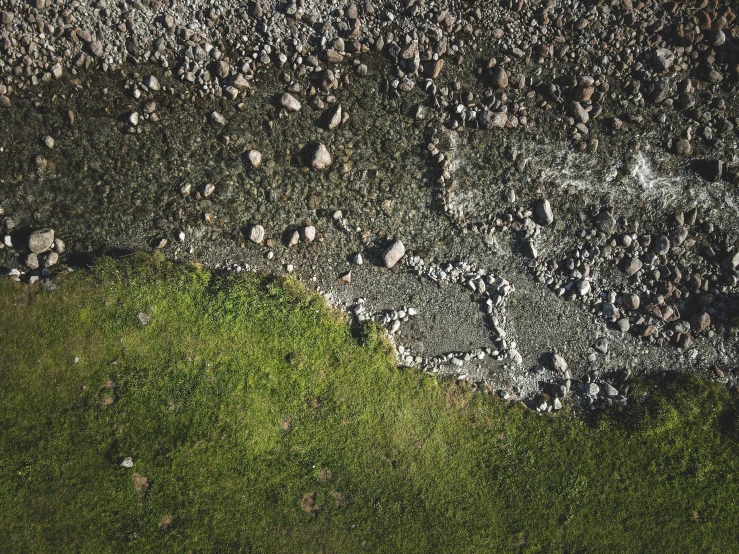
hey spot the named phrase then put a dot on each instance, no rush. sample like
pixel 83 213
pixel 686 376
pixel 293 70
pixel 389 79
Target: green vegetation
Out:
pixel 257 422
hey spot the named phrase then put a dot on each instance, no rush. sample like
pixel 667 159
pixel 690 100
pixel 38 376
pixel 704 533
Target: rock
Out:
pixel 293 239
pixel 393 253
pixel 683 147
pixel 432 68
pixel 579 113
pixel 144 318
pixel 308 233
pixel 49 142
pixel 217 118
pixel 320 157
pixel 289 102
pixel 256 233
pixel 208 189
pixel 492 120
pixel 623 325
pixel 59 246
pixel 661 245
pixel 556 404
pixel 558 363
pixel 133 118
pixel 254 157
pixel 582 287
pixel 611 390
pixel 152 83
pixel 593 389
pixel 605 223
pixel 51 259
pixel 127 462
pixel 529 250
pixel 662 59
pixel 515 357
pixel 700 322
pixel 632 266
pixel 631 301
pixel 32 262
pixel 358 260
pixel 732 261
pixel 498 77
pixel 543 212
pixel 41 240
pixel 601 345
pixel 609 310
pixel 346 278
pixel 333 117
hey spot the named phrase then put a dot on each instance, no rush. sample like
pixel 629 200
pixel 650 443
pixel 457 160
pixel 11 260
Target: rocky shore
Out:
pixel 537 197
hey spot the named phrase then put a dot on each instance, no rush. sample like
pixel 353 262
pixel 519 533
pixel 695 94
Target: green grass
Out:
pixel 241 390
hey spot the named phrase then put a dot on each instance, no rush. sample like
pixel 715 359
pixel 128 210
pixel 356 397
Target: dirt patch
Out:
pixel 342 500
pixel 141 484
pixel 308 503
pixel 106 401
pixel 286 423
pixel 314 402
pixel 166 522
pixel 325 475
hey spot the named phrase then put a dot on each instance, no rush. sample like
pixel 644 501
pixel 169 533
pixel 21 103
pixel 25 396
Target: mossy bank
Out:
pixel 257 421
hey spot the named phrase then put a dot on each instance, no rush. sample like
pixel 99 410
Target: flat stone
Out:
pixel 152 83
pixel 393 253
pixel 661 245
pixel 630 301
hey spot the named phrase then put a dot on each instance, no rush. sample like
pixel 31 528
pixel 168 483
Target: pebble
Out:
pixel 127 462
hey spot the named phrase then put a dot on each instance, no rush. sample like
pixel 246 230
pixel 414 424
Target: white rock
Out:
pixel 254 157
pixel 256 233
pixel 289 102
pixel 308 233
pixel 320 157
pixel 40 240
pixel 152 83
pixel 127 462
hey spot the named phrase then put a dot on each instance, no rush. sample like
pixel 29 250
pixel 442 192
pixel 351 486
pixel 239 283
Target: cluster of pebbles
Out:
pixel 586 72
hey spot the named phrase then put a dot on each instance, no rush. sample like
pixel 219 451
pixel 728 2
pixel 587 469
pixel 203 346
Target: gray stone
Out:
pixel 558 363
pixel 661 245
pixel 41 240
pixel 144 318
pixel 543 212
pixel 631 301
pixel 593 389
pixel 333 117
pixel 32 261
pixel 393 253
pixel 611 390
pixel 293 239
pixel 663 59
pixel 605 223
pixel 127 462
pixel 601 345
pixel 732 261
pixel 583 287
pixel 632 266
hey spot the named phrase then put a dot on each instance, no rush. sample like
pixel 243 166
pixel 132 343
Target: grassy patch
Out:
pixel 257 422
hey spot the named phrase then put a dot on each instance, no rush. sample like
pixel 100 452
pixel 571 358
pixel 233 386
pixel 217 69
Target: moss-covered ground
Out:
pixel 258 422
